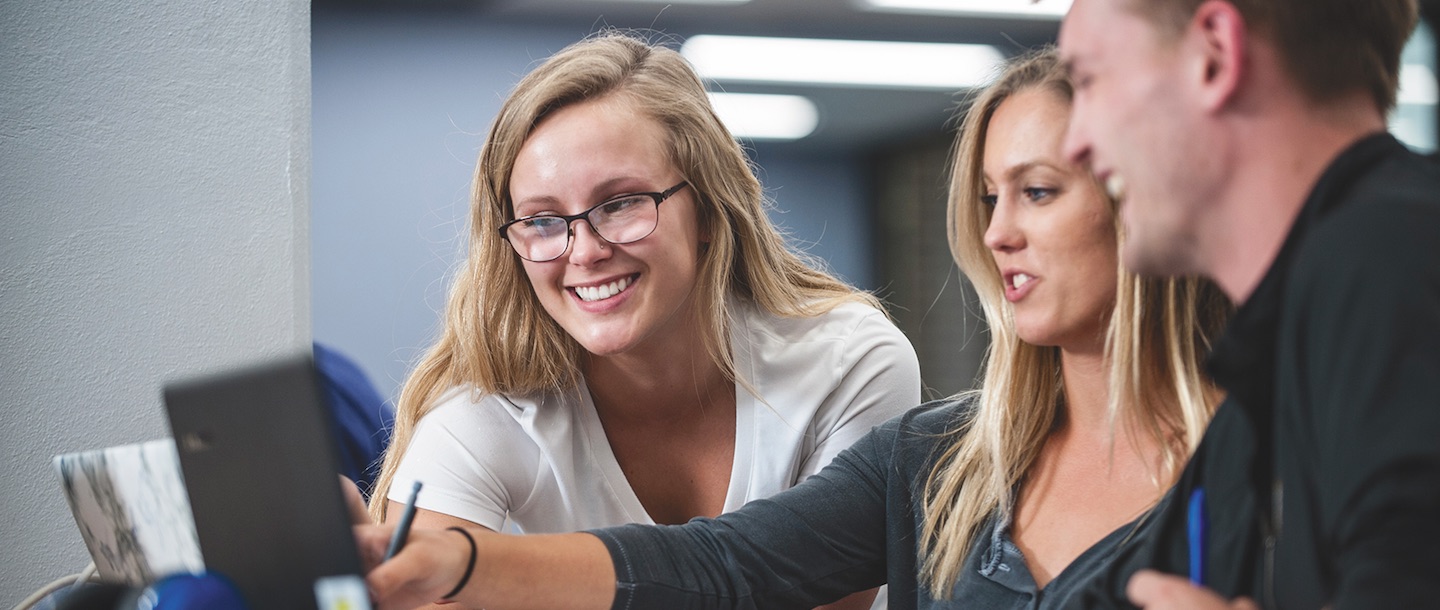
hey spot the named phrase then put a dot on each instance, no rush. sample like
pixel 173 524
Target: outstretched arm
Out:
pixel 570 571
pixel 807 545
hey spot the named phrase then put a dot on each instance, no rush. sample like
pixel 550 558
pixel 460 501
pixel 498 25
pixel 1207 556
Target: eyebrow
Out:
pixel 540 200
pixel 607 186
pixel 1011 172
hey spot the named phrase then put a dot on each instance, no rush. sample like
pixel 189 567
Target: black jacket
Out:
pixel 1322 468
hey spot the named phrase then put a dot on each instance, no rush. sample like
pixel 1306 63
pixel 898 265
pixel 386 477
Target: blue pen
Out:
pixel 1197 526
pixel 402 530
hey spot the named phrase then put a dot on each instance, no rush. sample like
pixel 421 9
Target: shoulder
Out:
pixel 475 412
pixel 1374 262
pixel 493 432
pixel 839 338
pixel 843 322
pixel 1383 228
pixel 1370 256
pixel 465 403
pixel 909 444
pixel 934 419
pixel 851 345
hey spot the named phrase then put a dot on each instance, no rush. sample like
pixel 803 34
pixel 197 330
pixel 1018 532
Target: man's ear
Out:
pixel 1218 41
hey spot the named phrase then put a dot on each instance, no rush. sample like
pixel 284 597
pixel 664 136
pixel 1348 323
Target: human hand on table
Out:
pixel 428 567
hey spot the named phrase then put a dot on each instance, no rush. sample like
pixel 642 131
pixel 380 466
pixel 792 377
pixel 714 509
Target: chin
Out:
pixel 608 342
pixel 604 347
pixel 1034 336
pixel 1156 257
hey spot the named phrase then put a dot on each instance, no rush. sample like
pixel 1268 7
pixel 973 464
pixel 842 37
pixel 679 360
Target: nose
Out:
pixel 1003 234
pixel 1076 146
pixel 586 246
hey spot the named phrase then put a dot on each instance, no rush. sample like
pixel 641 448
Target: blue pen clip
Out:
pixel 1196 528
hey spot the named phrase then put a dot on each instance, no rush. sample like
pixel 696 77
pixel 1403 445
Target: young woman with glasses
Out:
pixel 630 340
pixel 1009 497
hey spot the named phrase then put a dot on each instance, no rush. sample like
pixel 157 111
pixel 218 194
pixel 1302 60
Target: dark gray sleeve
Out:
pixel 806 546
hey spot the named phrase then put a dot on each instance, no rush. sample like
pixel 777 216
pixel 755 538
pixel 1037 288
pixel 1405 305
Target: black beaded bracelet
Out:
pixel 468 568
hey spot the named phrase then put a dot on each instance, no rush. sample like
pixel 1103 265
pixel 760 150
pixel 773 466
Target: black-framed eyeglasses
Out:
pixel 619 220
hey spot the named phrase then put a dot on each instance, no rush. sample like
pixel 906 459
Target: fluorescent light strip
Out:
pixel 719 2
pixel 913 65
pixel 757 116
pixel 1041 9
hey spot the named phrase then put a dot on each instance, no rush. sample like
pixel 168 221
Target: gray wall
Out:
pixel 154 166
pixel 402 103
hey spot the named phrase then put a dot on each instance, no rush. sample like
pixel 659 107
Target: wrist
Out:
pixel 469 566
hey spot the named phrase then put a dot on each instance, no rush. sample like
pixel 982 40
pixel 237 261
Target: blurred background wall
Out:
pixel 154 206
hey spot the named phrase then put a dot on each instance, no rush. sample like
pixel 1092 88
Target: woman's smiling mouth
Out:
pixel 600 292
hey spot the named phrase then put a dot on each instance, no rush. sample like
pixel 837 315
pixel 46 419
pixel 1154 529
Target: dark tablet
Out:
pixel 260 467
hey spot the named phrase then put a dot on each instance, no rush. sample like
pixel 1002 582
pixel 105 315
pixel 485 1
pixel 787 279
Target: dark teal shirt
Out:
pixel 851 527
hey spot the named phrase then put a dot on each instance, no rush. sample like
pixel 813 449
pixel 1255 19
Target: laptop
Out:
pixel 260 465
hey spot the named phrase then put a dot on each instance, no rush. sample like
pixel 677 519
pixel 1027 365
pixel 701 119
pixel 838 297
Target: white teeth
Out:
pixel 1115 187
pixel 603 291
pixel 1019 279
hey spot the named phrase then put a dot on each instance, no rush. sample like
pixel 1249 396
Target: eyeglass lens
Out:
pixel 618 221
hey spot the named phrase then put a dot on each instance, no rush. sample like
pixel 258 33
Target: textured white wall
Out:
pixel 154 164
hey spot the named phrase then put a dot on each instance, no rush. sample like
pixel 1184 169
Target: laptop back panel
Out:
pixel 260 465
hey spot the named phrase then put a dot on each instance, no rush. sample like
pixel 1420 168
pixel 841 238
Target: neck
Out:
pixel 665 378
pixel 1086 390
pixel 1277 159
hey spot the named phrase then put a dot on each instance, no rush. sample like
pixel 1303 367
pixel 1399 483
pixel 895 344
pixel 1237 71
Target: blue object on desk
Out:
pixel 210 591
pixel 206 591
pixel 1197 525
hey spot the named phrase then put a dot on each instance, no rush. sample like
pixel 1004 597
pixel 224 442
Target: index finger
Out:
pixel 1151 589
pixel 371 541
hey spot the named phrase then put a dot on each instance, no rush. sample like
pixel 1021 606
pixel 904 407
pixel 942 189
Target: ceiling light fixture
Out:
pixel 756 116
pixel 719 2
pixel 913 65
pixel 1025 9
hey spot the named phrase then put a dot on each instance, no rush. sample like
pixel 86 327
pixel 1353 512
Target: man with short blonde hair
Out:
pixel 1246 140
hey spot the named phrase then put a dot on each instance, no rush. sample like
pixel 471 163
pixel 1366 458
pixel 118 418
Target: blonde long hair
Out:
pixel 498 339
pixel 1158 334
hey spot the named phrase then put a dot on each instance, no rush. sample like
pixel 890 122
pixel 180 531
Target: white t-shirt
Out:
pixel 545 463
